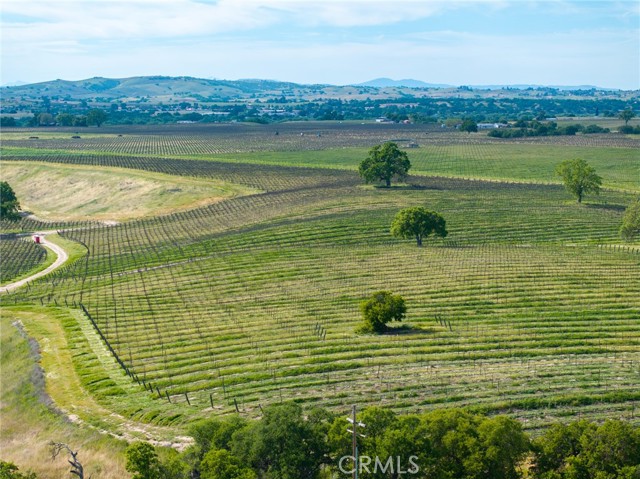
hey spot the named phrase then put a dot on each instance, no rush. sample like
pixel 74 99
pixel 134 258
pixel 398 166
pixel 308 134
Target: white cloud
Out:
pixel 243 38
pixel 467 58
pixel 91 20
pixel 35 20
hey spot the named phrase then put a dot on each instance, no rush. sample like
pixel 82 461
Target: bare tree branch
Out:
pixel 76 466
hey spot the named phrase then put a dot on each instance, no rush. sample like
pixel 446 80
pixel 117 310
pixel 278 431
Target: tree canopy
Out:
pixel 142 461
pixel 417 222
pixel 579 178
pixel 586 450
pixel 96 117
pixel 384 163
pixel 627 115
pixel 292 443
pixel 381 308
pixel 631 221
pixel 221 464
pixel 469 126
pixel 283 444
pixel 9 204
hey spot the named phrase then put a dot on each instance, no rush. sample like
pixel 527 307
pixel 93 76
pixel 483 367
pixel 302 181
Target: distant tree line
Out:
pixel 266 110
pixel 94 116
pixel 523 128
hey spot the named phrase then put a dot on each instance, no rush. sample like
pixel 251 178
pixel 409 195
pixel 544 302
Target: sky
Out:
pixel 457 42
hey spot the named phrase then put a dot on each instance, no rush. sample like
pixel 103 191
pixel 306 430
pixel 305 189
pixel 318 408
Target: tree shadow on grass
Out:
pixel 408 330
pixel 404 187
pixel 605 206
pixel 424 187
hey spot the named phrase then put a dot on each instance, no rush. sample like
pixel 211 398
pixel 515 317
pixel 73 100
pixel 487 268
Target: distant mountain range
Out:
pixel 410 83
pixel 176 89
pixel 146 86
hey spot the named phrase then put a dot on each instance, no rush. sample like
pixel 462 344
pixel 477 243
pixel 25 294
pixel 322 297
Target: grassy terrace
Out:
pixel 530 306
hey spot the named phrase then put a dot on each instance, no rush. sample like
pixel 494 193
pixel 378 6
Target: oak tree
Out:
pixel 96 117
pixel 631 221
pixel 381 308
pixel 417 222
pixel 9 204
pixel 579 178
pixel 627 115
pixel 384 163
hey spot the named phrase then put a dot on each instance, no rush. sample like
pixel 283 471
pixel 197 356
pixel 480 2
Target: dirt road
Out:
pixel 62 257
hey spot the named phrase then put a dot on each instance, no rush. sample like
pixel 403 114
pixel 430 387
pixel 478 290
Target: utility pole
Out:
pixel 355 444
pixel 354 439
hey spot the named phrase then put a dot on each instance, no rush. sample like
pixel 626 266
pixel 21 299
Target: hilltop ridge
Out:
pixel 167 88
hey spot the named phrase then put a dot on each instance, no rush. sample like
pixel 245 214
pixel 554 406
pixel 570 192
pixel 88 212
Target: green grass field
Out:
pixel 529 307
pixel 452 155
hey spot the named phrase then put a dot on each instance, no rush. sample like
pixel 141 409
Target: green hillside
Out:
pixel 529 307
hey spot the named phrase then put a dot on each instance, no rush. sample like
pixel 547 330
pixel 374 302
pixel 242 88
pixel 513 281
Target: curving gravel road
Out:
pixel 60 260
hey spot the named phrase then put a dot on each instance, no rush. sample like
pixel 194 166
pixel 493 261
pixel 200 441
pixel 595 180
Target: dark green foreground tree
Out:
pixel 418 222
pixel 291 443
pixel 381 308
pixel 584 450
pixel 579 178
pixel 221 464
pixel 384 163
pixel 284 444
pixel 142 461
pixel 9 204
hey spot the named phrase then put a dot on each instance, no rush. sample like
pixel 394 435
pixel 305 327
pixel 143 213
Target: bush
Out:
pixel 9 470
pixel 629 130
pixel 594 129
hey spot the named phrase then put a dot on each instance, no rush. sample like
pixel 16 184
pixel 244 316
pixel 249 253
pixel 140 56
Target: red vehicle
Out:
pixel 37 239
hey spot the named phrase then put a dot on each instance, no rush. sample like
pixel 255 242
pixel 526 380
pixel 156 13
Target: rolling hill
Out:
pixel 165 88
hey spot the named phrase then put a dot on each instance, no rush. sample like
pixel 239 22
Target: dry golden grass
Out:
pixel 28 425
pixel 67 192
